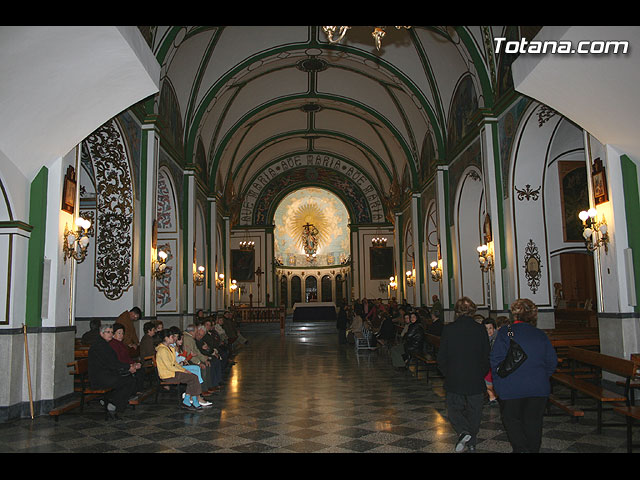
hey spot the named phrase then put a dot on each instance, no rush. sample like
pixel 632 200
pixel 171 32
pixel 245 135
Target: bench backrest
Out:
pixel 433 340
pixel 619 366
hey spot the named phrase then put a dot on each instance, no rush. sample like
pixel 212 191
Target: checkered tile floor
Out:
pixel 298 394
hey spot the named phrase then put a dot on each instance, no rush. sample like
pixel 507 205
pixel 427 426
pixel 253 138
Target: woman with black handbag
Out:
pixel 523 386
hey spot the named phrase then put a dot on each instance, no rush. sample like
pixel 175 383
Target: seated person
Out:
pixel 436 326
pixel 171 372
pixel 414 338
pixel 183 358
pixel 147 347
pixel 210 366
pixel 106 371
pixel 387 332
pixel 94 332
pixel 122 352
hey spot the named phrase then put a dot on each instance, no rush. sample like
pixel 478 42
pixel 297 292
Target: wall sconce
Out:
pixel 76 242
pixel 198 276
pixel 220 281
pixel 485 257
pixel 593 228
pixel 158 267
pixel 411 277
pixel 393 285
pixel 436 271
pixel 232 289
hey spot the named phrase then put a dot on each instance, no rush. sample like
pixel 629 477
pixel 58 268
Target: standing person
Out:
pixel 341 324
pixel 126 319
pixel 463 359
pixel 492 331
pixel 437 306
pixel 524 393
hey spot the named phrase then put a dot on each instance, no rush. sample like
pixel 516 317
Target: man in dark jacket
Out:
pixel 463 359
pixel 106 371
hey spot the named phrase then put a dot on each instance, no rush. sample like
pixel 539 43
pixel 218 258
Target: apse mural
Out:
pixel 294 218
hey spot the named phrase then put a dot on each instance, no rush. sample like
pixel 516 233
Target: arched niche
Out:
pixel 469 214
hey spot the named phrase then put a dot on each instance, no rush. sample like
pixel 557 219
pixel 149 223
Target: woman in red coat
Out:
pixel 123 355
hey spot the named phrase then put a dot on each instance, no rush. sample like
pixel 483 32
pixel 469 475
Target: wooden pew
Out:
pixel 598 362
pixel 80 371
pixel 632 413
pixel 426 361
pixel 561 343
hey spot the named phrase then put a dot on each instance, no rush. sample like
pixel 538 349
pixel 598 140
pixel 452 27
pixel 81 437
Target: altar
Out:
pixel 314 312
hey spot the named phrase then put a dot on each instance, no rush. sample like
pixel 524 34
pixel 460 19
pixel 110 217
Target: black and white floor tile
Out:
pixel 299 394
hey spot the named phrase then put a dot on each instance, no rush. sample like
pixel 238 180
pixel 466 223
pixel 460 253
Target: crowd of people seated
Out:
pixel 401 328
pixel 200 357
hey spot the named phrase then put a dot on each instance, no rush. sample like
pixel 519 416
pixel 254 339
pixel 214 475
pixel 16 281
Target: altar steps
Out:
pixel 310 328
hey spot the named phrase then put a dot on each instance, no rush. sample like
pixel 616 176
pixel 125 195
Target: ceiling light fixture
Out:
pixel 335 34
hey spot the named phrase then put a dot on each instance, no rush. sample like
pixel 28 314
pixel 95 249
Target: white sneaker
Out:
pixel 204 403
pixel 462 441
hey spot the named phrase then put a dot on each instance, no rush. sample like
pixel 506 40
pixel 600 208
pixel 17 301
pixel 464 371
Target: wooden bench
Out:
pixel 632 413
pixel 80 371
pixel 429 362
pixel 599 363
pixel 561 343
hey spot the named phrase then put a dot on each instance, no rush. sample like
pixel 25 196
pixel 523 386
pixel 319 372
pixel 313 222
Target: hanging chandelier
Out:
pixel 246 244
pixel 379 242
pixel 335 34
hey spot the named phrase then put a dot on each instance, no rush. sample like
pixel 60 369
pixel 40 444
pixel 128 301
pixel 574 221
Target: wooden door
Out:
pixel 578 279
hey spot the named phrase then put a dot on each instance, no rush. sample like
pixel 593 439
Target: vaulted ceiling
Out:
pixel 250 95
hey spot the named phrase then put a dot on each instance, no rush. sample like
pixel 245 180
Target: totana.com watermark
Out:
pixel 593 47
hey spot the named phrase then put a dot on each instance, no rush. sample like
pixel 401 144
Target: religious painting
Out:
pixel 574 197
pixel 69 191
pixel 381 259
pixel 243 263
pixel 463 106
pixel 599 182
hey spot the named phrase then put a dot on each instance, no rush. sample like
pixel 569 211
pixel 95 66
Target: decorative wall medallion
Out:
pixel 528 193
pixel 532 266
pixel 545 113
pixel 114 222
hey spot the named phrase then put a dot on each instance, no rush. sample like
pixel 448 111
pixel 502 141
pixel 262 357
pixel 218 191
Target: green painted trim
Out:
pixel 185 229
pixel 447 233
pixel 497 163
pixel 478 61
pixel 632 213
pixel 35 259
pixel 143 200
pixel 16 224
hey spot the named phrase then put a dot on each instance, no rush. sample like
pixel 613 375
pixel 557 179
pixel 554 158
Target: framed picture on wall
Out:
pixel 599 179
pixel 69 191
pixel 381 261
pixel 243 265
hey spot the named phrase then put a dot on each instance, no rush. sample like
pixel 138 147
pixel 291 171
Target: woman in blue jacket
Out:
pixel 524 393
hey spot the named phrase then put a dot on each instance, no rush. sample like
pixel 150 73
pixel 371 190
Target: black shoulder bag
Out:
pixel 515 357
